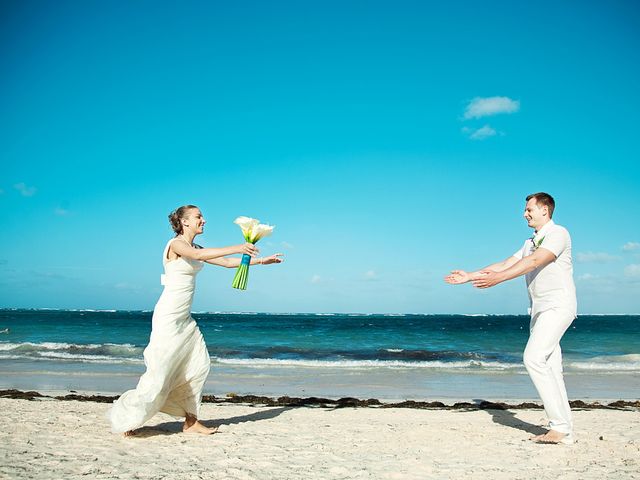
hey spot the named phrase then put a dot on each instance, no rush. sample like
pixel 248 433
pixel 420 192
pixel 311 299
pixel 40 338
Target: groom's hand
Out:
pixel 487 279
pixel 456 277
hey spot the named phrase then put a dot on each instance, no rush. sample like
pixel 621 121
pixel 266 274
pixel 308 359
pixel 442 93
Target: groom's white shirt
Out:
pixel 552 285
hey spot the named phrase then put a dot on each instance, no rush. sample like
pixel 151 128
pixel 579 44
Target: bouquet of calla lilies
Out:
pixel 252 230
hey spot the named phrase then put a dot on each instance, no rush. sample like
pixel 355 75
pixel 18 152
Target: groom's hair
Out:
pixel 544 199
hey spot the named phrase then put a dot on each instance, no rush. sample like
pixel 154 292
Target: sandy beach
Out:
pixel 49 438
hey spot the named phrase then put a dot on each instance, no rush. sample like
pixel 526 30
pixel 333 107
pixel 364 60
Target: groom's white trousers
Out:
pixel 543 359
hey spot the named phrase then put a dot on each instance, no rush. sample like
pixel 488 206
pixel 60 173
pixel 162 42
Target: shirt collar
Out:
pixel 543 231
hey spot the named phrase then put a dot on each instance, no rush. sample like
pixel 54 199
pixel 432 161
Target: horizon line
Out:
pixel 114 310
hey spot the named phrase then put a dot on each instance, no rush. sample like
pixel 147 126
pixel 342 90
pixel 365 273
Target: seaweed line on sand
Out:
pixel 286 401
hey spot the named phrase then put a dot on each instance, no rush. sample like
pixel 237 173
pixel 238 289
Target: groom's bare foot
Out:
pixel 197 427
pixel 552 436
pixel 130 433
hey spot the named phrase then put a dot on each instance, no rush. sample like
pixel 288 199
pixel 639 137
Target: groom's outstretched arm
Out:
pixel 457 277
pixel 540 258
pixel 499 266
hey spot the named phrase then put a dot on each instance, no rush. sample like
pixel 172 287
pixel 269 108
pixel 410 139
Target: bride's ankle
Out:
pixel 189 421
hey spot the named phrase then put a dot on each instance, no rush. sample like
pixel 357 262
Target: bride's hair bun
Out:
pixel 177 215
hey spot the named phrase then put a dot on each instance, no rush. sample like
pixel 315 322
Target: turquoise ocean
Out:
pixel 361 355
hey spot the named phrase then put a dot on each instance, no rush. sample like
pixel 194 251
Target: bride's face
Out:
pixel 194 221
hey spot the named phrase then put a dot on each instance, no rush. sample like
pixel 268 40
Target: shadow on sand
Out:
pixel 171 428
pixel 508 419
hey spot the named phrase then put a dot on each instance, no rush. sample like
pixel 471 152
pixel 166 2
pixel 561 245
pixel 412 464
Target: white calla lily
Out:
pixel 260 231
pixel 246 224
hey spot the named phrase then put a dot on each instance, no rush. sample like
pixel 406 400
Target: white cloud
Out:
pixel 631 246
pixel 370 275
pixel 480 133
pixel 127 287
pixel 595 257
pixel 487 106
pixel 585 277
pixel 24 190
pixel 632 270
pixel 61 211
pixel 589 282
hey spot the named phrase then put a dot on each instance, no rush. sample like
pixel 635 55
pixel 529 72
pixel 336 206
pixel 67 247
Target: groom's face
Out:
pixel 535 215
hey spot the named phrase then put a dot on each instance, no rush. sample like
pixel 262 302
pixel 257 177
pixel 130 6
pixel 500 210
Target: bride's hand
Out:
pixel 276 258
pixel 249 249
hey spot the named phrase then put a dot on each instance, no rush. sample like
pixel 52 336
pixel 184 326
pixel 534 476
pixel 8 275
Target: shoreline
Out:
pixel 386 385
pixel 344 402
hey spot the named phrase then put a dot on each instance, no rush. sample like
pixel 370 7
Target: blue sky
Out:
pixel 389 142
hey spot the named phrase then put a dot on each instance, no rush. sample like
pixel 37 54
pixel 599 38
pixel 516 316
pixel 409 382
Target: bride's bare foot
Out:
pixel 197 427
pixel 192 425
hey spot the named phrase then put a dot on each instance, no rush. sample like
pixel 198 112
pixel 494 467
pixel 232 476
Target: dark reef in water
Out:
pixel 346 402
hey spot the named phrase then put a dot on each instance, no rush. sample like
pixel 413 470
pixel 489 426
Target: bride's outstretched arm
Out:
pixel 234 262
pixel 205 254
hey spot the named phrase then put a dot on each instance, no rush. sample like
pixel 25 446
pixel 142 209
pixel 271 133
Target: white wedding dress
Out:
pixel 176 358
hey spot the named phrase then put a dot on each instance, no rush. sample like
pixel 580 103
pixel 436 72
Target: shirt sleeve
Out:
pixel 556 241
pixel 520 253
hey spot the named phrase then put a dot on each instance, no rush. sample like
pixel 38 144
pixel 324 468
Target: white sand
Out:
pixel 68 439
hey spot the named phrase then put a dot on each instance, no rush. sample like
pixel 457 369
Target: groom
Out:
pixel 545 260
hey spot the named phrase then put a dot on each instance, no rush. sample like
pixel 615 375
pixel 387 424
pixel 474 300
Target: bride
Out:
pixel 176 358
